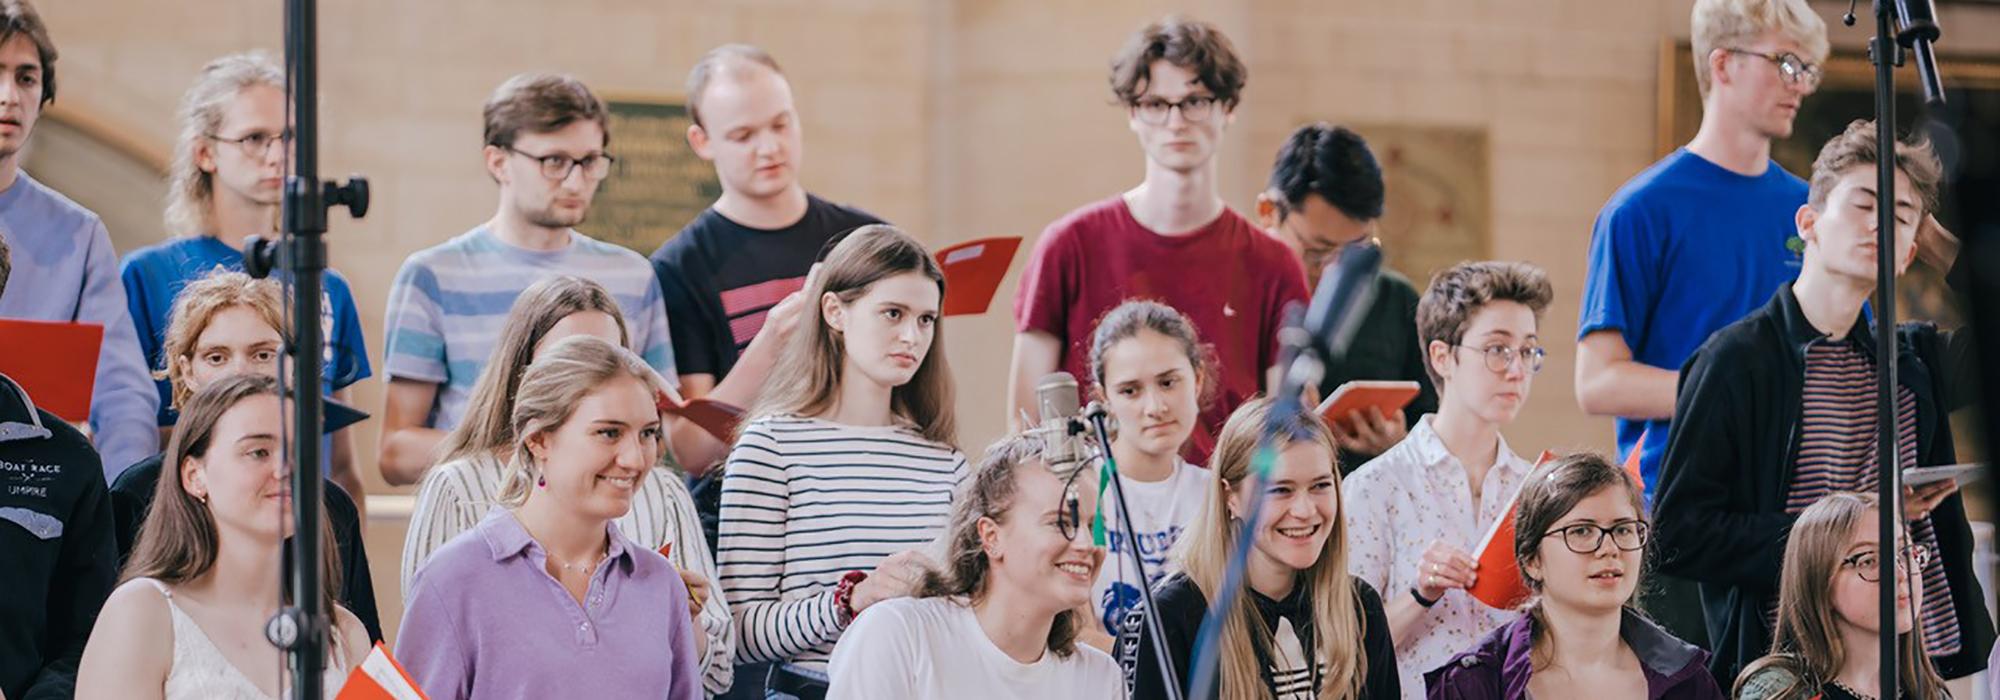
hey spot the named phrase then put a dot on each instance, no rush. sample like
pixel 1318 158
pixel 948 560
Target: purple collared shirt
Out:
pixel 486 620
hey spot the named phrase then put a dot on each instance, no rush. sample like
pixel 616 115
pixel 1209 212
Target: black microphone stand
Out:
pixel 1098 418
pixel 1885 51
pixel 301 628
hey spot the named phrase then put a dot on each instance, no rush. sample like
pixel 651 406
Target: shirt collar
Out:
pixel 26 426
pixel 506 538
pixel 1432 453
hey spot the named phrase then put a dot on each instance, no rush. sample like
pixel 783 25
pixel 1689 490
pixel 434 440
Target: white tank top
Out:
pixel 201 672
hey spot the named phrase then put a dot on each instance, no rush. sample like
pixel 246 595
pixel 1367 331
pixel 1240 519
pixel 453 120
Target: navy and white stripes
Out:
pixel 804 501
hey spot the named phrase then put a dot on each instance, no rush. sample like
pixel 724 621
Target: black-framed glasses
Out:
pixel 557 166
pixel 1868 565
pixel 1501 357
pixel 1194 108
pixel 255 145
pixel 1797 71
pixel 1069 513
pixel 1588 538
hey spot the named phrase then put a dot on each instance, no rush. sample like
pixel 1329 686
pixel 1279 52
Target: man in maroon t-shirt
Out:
pixel 1171 239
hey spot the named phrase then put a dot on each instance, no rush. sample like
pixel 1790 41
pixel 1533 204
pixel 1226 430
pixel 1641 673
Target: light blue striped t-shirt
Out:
pixel 449 302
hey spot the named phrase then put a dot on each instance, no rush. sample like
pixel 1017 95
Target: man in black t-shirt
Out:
pixel 55 528
pixel 736 269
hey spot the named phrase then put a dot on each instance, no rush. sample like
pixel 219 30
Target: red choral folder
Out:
pixel 379 677
pixel 1500 583
pixel 973 271
pixel 55 362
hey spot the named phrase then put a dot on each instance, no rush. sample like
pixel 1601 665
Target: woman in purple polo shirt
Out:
pixel 545 598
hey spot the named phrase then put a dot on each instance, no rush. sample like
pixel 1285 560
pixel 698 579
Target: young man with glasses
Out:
pixel 1705 235
pixel 64 267
pixel 546 141
pixel 1415 515
pixel 1697 240
pixel 225 185
pixel 1171 238
pixel 1326 193
pixel 1779 409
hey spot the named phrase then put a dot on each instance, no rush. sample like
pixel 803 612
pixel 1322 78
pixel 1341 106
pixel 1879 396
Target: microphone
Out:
pixel 1346 288
pixel 1064 447
pixel 1919 27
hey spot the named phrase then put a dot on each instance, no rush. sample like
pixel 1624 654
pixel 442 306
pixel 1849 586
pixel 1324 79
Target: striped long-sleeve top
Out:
pixel 456 495
pixel 804 501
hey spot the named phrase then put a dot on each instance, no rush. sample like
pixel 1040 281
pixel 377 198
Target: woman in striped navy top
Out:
pixel 847 467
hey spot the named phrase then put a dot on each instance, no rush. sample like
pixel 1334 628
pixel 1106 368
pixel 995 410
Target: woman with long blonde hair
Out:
pixel 1305 628
pixel 459 491
pixel 1825 641
pixel 546 597
pixel 846 468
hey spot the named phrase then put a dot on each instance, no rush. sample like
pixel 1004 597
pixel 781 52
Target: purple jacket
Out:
pixel 1498 667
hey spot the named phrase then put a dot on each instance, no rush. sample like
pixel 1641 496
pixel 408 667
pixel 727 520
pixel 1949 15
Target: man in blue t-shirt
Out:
pixel 225 186
pixel 1705 235
pixel 1699 239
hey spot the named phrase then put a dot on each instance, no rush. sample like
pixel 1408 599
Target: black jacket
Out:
pixel 57 563
pixel 1182 606
pixel 1720 517
pixel 132 496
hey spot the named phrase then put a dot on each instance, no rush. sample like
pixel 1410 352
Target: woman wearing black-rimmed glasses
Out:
pixel 1579 536
pixel 1828 615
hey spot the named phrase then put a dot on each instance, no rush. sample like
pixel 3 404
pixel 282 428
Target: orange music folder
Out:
pixel 1388 396
pixel 973 271
pixel 379 677
pixel 1499 581
pixel 55 362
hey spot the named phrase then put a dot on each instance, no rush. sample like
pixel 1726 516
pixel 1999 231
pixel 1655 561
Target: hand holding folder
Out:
pixel 1500 584
pixel 716 418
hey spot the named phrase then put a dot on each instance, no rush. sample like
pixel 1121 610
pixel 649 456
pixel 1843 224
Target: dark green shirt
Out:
pixel 1385 348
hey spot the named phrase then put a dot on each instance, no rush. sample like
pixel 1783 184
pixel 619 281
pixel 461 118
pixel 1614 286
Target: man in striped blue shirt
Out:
pixel 546 141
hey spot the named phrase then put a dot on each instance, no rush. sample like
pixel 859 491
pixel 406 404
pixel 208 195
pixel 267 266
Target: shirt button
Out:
pixel 585 627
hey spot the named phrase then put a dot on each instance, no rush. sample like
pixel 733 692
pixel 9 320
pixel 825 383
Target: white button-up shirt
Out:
pixel 1396 505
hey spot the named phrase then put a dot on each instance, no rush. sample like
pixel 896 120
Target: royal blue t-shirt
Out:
pixel 154 275
pixel 1683 249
